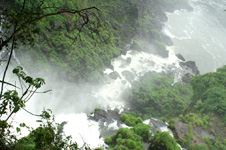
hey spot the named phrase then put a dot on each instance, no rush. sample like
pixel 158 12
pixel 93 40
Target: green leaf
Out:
pixel 16 70
pixel 18 129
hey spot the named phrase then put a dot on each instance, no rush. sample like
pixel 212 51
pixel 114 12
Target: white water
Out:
pixel 106 96
pixel 200 35
pixel 197 35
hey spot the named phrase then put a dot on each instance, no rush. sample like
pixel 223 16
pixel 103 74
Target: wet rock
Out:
pixel 190 65
pixel 201 132
pixel 167 40
pixel 109 121
pixel 124 52
pixel 106 116
pixel 157 124
pixel 114 75
pixel 156 48
pixel 179 56
pixel 181 129
pixel 128 60
pixel 190 70
pixel 187 78
pixel 128 75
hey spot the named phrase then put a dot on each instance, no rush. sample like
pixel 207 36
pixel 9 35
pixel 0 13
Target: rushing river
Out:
pixel 199 35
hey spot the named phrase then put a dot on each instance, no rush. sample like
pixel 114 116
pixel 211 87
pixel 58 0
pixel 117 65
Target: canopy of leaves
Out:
pixel 210 90
pixel 155 96
pixel 163 141
pixel 130 139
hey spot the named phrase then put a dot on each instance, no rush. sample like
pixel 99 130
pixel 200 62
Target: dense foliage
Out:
pixel 85 52
pixel 47 136
pixel 207 112
pixel 155 95
pixel 210 93
pixel 130 138
pixel 163 140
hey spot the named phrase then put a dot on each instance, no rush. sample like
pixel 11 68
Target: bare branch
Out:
pixel 31 113
pixel 60 12
pixel 9 59
pixel 9 84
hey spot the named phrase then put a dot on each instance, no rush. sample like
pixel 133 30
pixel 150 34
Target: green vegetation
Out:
pixel 196 120
pixel 83 52
pixel 130 139
pixel 155 96
pixel 47 136
pixel 83 44
pixel 207 110
pixel 210 93
pixel 199 147
pixel 163 140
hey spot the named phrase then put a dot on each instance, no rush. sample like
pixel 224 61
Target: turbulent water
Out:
pixel 199 35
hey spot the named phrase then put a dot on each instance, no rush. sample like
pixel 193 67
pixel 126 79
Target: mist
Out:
pixel 198 35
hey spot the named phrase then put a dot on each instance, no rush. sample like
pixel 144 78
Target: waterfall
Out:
pixel 187 30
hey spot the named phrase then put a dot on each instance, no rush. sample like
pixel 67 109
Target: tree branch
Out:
pixel 31 113
pixel 9 59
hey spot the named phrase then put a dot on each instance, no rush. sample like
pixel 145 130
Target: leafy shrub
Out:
pixel 163 141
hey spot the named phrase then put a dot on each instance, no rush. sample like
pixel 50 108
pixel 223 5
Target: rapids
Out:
pixel 199 35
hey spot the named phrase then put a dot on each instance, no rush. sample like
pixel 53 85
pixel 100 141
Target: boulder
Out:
pixel 181 129
pixel 157 124
pixel 190 65
pixel 128 60
pixel 128 75
pixel 114 75
pixel 106 116
pixel 179 56
pixel 187 78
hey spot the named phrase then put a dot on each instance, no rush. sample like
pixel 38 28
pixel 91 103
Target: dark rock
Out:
pixel 187 78
pixel 167 40
pixel 123 52
pixel 190 65
pixel 201 132
pixel 100 115
pixel 160 49
pixel 114 75
pixel 157 124
pixel 179 56
pixel 181 129
pixel 106 116
pixel 61 130
pixel 128 60
pixel 128 75
pixel 105 119
pixel 114 114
